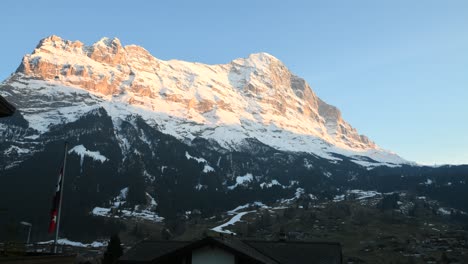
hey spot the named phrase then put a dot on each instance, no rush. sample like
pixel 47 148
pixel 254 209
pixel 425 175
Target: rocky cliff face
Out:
pixel 190 135
pixel 254 97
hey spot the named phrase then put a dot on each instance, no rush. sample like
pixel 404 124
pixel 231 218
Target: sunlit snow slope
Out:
pixel 256 97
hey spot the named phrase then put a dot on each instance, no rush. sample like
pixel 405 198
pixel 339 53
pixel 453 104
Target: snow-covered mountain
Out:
pixel 152 140
pixel 255 97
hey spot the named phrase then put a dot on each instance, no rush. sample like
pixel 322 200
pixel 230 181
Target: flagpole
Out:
pixel 61 196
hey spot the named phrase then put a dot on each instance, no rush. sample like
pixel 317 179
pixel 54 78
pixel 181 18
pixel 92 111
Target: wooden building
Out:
pixel 233 251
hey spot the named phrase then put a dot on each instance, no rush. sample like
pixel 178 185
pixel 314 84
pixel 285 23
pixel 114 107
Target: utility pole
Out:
pixel 29 225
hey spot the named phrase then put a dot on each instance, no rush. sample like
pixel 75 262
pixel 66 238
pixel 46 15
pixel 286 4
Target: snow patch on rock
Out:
pixel 242 181
pixel 114 213
pixel 272 183
pixel 66 242
pixel 81 151
pixel 207 168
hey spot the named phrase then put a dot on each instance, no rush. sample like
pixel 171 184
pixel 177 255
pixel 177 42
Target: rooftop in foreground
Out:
pixel 232 250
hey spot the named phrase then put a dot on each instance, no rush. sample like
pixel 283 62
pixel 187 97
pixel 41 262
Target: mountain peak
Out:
pixel 49 39
pixel 252 94
pixel 262 56
pixel 108 42
pixel 259 60
pixel 108 51
pixel 56 42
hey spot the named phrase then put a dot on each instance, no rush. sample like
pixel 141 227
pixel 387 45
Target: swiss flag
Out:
pixel 55 203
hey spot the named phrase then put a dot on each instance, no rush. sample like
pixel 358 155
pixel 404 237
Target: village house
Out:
pixel 233 251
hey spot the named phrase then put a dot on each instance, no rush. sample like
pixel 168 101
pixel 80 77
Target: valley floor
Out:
pixel 367 233
pixel 372 227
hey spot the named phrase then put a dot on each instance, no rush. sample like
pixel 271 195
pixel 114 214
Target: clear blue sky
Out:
pixel 398 70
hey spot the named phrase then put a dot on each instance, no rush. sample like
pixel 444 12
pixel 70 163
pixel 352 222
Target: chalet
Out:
pixel 233 251
pixel 6 109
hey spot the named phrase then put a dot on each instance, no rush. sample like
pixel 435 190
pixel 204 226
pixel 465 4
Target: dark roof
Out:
pixel 164 251
pixel 299 252
pixel 39 258
pixel 238 246
pixel 256 251
pixel 146 251
pixel 6 109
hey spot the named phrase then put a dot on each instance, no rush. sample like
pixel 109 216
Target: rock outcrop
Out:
pixel 255 90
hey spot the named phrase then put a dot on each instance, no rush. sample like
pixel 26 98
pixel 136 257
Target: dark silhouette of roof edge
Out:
pixel 218 241
pixel 244 248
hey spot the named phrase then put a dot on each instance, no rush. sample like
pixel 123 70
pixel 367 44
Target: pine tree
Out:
pixel 114 250
pixel 444 259
pixel 136 191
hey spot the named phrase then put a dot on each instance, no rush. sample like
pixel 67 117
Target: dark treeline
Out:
pixel 147 161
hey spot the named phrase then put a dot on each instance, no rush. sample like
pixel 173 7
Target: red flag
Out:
pixel 55 203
